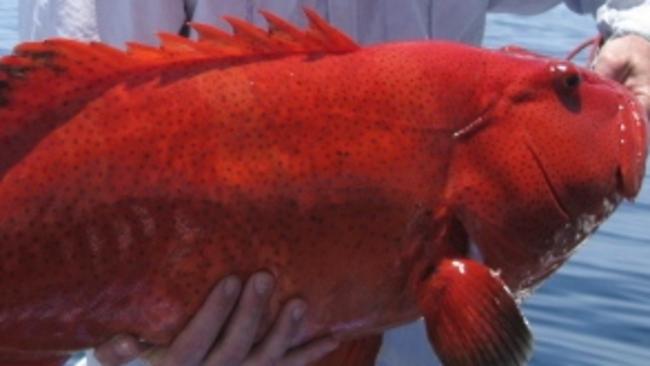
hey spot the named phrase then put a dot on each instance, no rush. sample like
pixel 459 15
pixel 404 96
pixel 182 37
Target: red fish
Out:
pixel 380 184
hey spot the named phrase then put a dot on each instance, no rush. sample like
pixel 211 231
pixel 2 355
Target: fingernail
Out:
pixel 124 349
pixel 230 286
pixel 263 283
pixel 298 311
pixel 330 346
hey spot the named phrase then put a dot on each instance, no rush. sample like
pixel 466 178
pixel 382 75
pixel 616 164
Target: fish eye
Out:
pixel 572 80
pixel 566 79
pixel 566 75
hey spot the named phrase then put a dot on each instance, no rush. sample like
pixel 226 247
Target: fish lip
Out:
pixel 633 146
pixel 622 188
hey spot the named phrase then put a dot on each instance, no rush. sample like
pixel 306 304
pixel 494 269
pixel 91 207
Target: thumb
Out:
pixel 610 63
pixel 118 351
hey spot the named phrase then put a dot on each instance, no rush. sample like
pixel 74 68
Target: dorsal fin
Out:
pixel 281 37
pixel 144 52
pixel 173 43
pixel 224 44
pixel 284 32
pixel 253 37
pixel 330 38
pixel 43 84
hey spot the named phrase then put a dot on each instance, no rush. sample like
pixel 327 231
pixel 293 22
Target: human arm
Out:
pixel 626 59
pixel 223 331
pixel 625 55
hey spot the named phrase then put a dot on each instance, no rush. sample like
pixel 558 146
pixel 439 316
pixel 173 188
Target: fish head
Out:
pixel 555 150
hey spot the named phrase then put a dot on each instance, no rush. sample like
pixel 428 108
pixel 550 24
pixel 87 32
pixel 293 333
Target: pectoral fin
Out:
pixel 472 318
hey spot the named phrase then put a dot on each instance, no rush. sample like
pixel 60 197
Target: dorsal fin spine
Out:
pixel 210 33
pixel 173 43
pixel 330 38
pixel 255 38
pixel 281 38
pixel 284 31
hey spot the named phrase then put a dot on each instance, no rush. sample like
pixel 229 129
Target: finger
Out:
pixel 281 336
pixel 310 352
pixel 195 341
pixel 643 96
pixel 611 66
pixel 242 328
pixel 118 351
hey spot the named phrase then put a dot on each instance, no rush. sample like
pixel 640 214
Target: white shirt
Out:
pixel 367 21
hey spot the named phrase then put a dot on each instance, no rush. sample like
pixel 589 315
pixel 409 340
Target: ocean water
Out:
pixel 596 309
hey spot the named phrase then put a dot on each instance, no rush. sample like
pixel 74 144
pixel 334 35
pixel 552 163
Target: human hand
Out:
pixel 627 60
pixel 223 334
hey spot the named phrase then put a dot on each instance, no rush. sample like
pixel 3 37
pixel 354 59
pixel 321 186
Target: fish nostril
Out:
pixel 567 77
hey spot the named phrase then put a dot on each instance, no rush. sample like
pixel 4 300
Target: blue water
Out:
pixel 596 309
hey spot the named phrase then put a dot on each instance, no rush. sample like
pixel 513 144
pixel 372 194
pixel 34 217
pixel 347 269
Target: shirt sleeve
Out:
pixel 521 7
pixel 115 21
pixel 617 18
pixel 39 19
pixel 120 21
